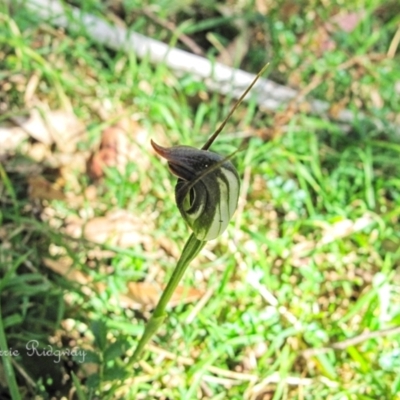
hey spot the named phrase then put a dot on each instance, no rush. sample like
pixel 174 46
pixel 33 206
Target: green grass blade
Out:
pixel 8 369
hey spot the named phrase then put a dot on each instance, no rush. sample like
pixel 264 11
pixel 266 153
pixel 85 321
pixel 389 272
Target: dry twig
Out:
pixel 351 341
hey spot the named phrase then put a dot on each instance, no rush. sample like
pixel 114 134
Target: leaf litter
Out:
pixel 49 143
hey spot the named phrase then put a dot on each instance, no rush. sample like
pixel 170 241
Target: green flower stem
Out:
pixel 190 251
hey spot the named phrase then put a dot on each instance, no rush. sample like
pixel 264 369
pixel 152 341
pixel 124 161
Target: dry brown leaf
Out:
pixel 31 87
pixel 107 154
pixel 336 108
pixel 376 98
pixel 138 293
pixel 345 21
pixel 40 188
pixel 169 246
pixel 38 152
pixel 117 148
pixel 148 294
pixel 320 39
pixel 64 267
pixel 338 230
pixel 11 138
pixel 53 127
pixel 118 227
pixel 235 51
pixel 344 228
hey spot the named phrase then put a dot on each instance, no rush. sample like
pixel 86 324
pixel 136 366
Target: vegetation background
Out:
pixel 299 299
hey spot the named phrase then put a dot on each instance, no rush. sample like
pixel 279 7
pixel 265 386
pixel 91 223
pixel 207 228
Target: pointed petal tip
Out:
pixel 154 144
pixel 161 151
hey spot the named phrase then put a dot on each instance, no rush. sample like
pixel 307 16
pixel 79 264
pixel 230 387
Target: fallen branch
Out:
pixel 351 341
pixel 216 76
